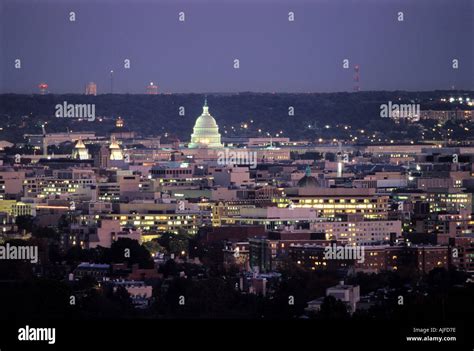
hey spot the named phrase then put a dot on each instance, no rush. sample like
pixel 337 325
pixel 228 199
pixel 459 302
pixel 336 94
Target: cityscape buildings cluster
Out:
pixel 383 208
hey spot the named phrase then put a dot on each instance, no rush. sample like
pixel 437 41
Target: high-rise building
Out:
pixel 119 123
pixel 43 88
pixel 91 89
pixel 152 89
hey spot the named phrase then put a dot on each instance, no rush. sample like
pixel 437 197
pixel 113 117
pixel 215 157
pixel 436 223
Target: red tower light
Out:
pixel 43 87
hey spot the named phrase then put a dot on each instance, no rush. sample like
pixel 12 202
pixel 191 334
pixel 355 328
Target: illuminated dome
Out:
pixel 206 131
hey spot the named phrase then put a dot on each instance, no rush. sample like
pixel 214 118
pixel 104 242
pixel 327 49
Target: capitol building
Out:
pixel 206 131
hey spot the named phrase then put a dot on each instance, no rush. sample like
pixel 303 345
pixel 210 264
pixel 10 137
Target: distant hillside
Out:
pixel 157 114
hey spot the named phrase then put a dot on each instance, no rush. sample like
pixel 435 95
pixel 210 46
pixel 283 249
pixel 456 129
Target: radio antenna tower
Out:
pixel 111 81
pixel 356 78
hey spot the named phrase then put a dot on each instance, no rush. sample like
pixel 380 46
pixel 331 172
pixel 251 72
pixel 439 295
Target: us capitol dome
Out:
pixel 205 131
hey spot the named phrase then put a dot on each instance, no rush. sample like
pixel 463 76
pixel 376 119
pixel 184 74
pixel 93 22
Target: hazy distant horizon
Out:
pixel 460 91
pixel 275 55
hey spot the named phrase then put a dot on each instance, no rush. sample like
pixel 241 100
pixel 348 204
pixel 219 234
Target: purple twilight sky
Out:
pixel 275 55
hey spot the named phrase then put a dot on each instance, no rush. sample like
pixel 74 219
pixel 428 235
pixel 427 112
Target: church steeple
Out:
pixel 308 181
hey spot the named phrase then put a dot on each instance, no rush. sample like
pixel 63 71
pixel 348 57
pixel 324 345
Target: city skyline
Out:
pixel 288 163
